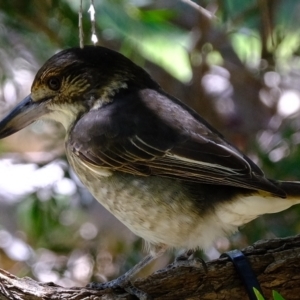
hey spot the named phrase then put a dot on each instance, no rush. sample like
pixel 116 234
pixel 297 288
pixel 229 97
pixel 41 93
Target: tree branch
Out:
pixel 275 262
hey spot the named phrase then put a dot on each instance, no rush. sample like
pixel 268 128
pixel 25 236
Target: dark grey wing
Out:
pixel 149 133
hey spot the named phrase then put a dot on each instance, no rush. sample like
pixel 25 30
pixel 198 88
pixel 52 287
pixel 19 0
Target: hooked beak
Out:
pixel 21 116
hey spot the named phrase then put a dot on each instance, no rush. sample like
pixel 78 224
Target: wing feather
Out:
pixel 150 133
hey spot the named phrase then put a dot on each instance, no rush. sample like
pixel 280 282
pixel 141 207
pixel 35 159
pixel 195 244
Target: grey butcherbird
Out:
pixel 149 159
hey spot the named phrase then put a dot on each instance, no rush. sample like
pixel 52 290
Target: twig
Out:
pixel 93 22
pixel 206 13
pixel 80 26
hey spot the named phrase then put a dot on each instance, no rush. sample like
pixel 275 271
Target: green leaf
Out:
pixel 277 296
pixel 258 294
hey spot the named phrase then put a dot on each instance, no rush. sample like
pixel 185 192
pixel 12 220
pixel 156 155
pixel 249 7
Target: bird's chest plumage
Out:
pixel 157 209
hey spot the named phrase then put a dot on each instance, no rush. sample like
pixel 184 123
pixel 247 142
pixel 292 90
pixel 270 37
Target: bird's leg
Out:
pixel 123 280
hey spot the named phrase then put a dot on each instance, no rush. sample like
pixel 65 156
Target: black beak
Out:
pixel 21 116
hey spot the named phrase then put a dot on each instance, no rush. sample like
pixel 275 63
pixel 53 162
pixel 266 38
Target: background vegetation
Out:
pixel 236 63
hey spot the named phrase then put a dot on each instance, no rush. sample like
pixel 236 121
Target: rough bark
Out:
pixel 275 262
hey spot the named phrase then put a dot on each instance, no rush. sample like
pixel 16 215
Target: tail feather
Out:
pixel 291 188
pixel 246 207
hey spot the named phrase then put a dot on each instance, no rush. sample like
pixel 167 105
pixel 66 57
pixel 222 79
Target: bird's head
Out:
pixel 73 82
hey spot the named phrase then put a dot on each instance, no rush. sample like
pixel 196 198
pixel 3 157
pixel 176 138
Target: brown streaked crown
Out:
pixel 94 72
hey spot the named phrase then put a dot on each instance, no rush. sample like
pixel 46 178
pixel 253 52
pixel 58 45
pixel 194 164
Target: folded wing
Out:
pixel 149 133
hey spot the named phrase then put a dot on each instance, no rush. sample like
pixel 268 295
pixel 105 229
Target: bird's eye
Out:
pixel 54 83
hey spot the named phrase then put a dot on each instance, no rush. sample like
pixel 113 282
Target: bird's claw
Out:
pixel 116 284
pixel 187 259
pixel 120 284
pixel 187 255
pixel 132 290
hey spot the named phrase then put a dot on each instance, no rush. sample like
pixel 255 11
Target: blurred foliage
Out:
pixel 239 70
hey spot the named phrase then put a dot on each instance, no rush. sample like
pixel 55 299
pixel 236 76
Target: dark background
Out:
pixel 239 70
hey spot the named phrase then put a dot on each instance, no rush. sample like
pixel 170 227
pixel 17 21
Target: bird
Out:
pixel 147 157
